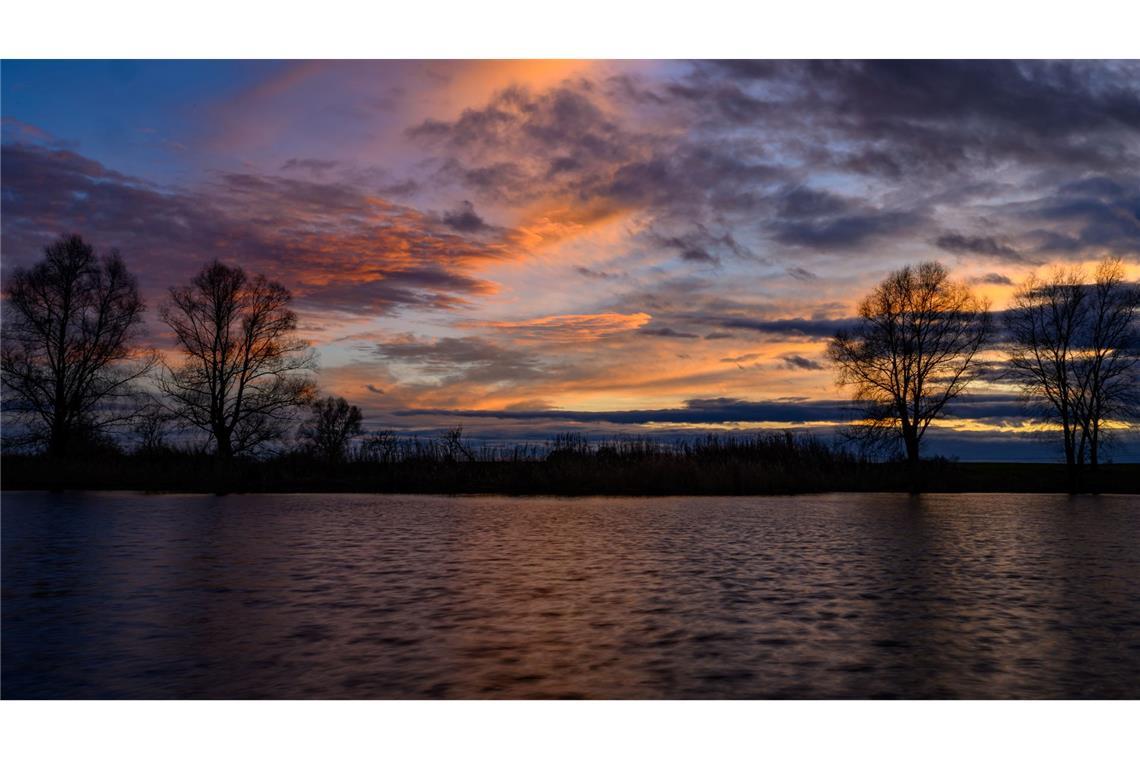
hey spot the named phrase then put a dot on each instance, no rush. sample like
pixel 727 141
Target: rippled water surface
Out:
pixel 362 596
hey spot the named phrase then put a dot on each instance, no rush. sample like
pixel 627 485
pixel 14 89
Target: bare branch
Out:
pixel 69 355
pixel 243 372
pixel 913 352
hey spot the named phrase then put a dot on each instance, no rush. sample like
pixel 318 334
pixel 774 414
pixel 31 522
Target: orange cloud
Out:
pixel 567 327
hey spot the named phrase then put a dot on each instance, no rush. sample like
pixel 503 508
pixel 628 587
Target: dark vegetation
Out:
pixel 238 393
pixel 568 465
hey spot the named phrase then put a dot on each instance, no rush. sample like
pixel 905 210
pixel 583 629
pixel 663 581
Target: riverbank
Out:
pixel 650 476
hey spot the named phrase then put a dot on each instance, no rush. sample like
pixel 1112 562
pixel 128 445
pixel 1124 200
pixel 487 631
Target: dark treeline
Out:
pixel 570 464
pixel 235 405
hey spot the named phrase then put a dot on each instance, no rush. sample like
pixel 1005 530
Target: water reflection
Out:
pixel 296 596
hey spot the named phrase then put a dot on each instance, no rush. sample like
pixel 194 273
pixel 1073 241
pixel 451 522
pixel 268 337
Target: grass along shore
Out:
pixel 767 464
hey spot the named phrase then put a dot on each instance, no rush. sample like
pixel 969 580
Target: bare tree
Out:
pixel 1043 323
pixel 1073 348
pixel 331 426
pixel 454 446
pixel 150 429
pixel 912 352
pixel 69 358
pixel 382 446
pixel 244 372
pixel 1110 356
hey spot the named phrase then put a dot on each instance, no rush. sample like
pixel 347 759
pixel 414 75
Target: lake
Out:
pixel 126 595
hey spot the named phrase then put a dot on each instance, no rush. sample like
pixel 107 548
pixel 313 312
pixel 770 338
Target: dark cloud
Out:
pixel 802 202
pixel 695 411
pixel 746 68
pixel 795 361
pixel 1039 97
pixel 726 101
pixel 312 165
pixel 978 244
pixel 462 360
pixel 928 130
pixel 923 115
pixel 501 181
pixel 1097 212
pixel 811 328
pixel 595 274
pixel 567 115
pixel 993 370
pixel 698 255
pixel 666 332
pixel 986 407
pixel 464 219
pixel 991 278
pixel 702 246
pixel 401 189
pixel 337 247
pixel 694 178
pixel 844 231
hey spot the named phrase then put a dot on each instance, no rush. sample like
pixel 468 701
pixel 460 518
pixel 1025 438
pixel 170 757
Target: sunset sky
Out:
pixel 614 247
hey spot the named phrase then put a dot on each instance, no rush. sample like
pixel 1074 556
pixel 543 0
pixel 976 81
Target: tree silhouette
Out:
pixel 331 426
pixel 1111 360
pixel 912 352
pixel 68 344
pixel 244 372
pixel 1074 348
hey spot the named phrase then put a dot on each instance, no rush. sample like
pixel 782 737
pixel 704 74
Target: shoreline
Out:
pixel 545 478
pixel 521 495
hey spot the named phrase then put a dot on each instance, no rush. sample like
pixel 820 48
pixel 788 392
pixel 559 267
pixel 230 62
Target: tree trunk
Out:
pixel 57 443
pixel 1094 446
pixel 912 451
pixel 225 447
pixel 1090 481
pixel 912 461
pixel 1069 434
